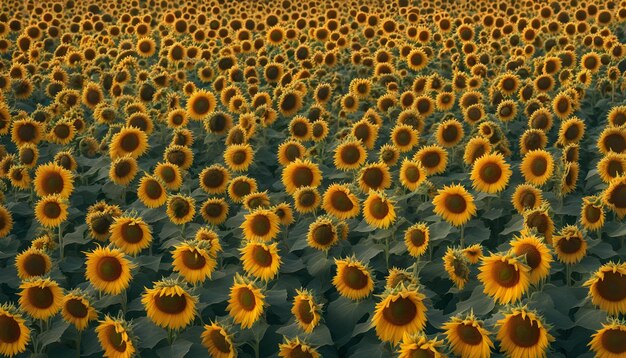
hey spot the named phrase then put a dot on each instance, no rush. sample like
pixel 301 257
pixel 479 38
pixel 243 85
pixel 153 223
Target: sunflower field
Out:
pixel 313 178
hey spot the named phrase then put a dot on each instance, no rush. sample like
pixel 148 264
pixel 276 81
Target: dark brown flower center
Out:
pixel 193 260
pixel 418 237
pixel 173 305
pixel 323 234
pixel 52 209
pixel 379 208
pixel 201 105
pixel 260 225
pixel 246 298
pixel 533 256
pixel 35 265
pixel 617 196
pixel 153 189
pixel 180 207
pixel 53 183
pixel 62 131
pixel 40 297
pixel 490 173
pixel 109 268
pixel 341 201
pixel 219 341
pixel 400 312
pixel 505 274
pixel 213 178
pixel 612 287
pixel 614 341
pixel 306 199
pixel 262 257
pixel 469 334
pixel 302 176
pixel 123 168
pixel 116 340
pixel 403 137
pixel 570 245
pixel 10 331
pixel 373 177
pixel 129 142
pixel 27 132
pixel 431 159
pixel 354 278
pixel 615 142
pixel 350 154
pixel 455 203
pixel 592 213
pixel 241 188
pixel 450 133
pixel 538 166
pixel 76 308
pixel 524 332
pixel 305 313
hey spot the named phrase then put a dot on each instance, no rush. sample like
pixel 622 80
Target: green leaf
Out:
pixel 149 334
pixel 177 350
pixel 53 334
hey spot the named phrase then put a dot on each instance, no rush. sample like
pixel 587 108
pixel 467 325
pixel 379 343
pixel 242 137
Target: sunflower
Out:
pixel 181 209
pixel 607 288
pixel 151 192
pixel 77 309
pixel 473 253
pixel 611 166
pixel 130 234
pixel 349 155
pixel 433 158
pixel 218 342
pixel 526 197
pixel 108 270
pixel 416 239
pixel 261 260
pixel 412 174
pixel 455 204
pixel 290 102
pixel 208 240
pixel 457 266
pixel 261 224
pixel 374 176
pixel 592 213
pixel 490 173
pixel 305 310
pixel 353 280
pixel 388 154
pixel 617 116
pixel 246 302
pixel 571 132
pixel 569 177
pixel 200 104
pixel 238 157
pixel 53 179
pixel 536 253
pixel 6 221
pixel 40 297
pixel 241 186
pixel 449 133
pixel 26 131
pixel 378 210
pixel 62 132
pixel 507 110
pixel 615 196
pixel 468 337
pixel 306 199
pixel 123 170
pixel 340 202
pixel 28 155
pixel 404 137
pixel 128 141
pixel 505 277
pixel 417 59
pixel 612 139
pixel 214 179
pixel 537 166
pixel 522 333
pixel 300 173
pixel 418 345
pixel 322 234
pixel 397 276
pixel 15 334
pixel 532 139
pixel 169 305
pixel 540 220
pixel 115 335
pixel 214 211
pixel 51 211
pixel 179 155
pixel 258 200
pixel 293 348
pixel 400 311
pixel 608 341
pixel 32 263
pixel 289 151
pixel 570 245
pixel 300 128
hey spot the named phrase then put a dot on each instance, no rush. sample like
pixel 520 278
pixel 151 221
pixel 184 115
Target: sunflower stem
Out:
pixel 182 231
pixel 170 336
pixel 462 236
pixel 78 339
pixel 61 248
pixel 568 274
pixel 124 301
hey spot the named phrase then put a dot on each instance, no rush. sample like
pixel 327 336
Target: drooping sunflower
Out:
pixel 258 200
pixel 169 174
pixel 522 333
pixel 378 210
pixel 218 341
pixel 606 288
pixel 468 337
pixel 540 220
pixel 32 263
pixel 398 276
pixel 416 239
pixel 433 158
pixel 570 245
pixel 349 155
pixel 374 176
pixel 115 336
pixel 261 260
pixel 200 104
pixel 526 197
pixel 455 204
pixel 418 345
pixel 130 141
pixel 209 240
pixel 490 173
pixel 537 166
pixel 611 166
pixel 505 277
pixel 353 279
pixel 53 179
pixel 51 211
pixel 615 196
pixel 592 213
pixel 108 270
pixel 300 173
pixel 457 266
pixel 473 253
pixel 476 148
pixel 151 192
pixel 340 202
pixel 246 302
pixel 412 174
pixel 322 234
pixel 214 179
pixel 130 234
pixel 77 309
pixel 261 224
pixel 238 157
pixel 536 254
pixel 608 341
pixel 15 333
pixel 40 297
pixel 293 348
pixel 400 311
pixel 181 209
pixel 569 177
pixel 169 304
pixel 305 310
